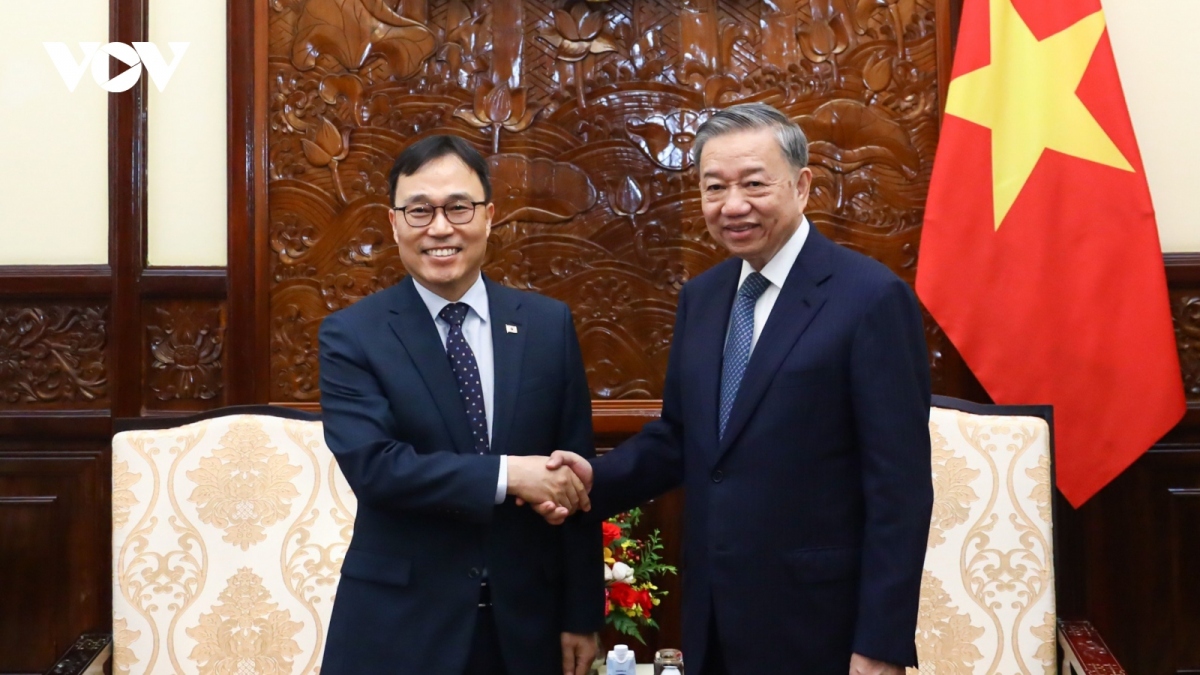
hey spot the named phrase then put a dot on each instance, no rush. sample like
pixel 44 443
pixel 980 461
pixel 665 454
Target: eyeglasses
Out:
pixel 457 212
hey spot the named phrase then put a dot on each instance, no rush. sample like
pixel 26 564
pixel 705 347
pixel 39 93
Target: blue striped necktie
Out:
pixel 739 341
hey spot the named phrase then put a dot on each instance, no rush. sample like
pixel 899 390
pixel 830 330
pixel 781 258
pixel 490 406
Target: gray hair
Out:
pixel 751 116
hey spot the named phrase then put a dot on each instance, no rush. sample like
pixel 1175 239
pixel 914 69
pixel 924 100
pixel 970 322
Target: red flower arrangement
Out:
pixel 630 566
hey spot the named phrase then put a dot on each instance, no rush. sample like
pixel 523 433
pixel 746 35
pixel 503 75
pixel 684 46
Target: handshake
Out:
pixel 555 487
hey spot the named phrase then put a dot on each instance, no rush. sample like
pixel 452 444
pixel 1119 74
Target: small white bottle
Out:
pixel 670 670
pixel 621 661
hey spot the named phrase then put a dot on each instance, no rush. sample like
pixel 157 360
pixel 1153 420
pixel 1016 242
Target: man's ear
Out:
pixel 490 211
pixel 803 186
pixel 804 182
pixel 394 220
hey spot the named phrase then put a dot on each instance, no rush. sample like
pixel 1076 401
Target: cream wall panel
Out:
pixel 187 172
pixel 54 184
pixel 1160 68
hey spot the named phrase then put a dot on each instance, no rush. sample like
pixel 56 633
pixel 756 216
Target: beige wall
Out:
pixel 1160 71
pixel 54 191
pixel 187 174
pixel 54 195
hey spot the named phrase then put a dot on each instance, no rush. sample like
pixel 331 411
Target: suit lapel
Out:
pixel 508 349
pixel 799 301
pixel 413 325
pixel 710 323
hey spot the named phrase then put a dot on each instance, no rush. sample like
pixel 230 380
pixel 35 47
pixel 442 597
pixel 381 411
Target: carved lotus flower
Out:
pixel 577 33
pixel 187 350
pixel 630 200
pixel 498 107
pixel 330 148
pixel 826 36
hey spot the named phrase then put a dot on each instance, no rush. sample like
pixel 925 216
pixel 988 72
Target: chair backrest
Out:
pixel 228 539
pixel 987 595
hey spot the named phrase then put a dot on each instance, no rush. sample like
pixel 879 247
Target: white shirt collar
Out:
pixel 777 268
pixel 476 298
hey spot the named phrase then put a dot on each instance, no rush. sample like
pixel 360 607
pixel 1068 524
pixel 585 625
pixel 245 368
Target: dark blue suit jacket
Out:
pixel 427 525
pixel 806 525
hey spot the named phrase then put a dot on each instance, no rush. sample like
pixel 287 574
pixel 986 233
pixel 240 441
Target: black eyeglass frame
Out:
pixel 404 211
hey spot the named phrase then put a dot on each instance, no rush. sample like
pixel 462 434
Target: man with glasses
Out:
pixel 441 397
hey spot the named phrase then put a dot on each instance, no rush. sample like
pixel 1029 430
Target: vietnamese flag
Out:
pixel 1040 257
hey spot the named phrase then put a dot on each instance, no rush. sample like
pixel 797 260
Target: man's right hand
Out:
pixel 532 480
pixel 554 513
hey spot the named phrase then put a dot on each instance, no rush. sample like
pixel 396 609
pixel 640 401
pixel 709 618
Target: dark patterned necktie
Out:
pixel 466 371
pixel 737 345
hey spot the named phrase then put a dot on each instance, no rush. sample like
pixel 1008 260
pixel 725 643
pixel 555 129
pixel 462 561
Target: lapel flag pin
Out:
pixel 508 327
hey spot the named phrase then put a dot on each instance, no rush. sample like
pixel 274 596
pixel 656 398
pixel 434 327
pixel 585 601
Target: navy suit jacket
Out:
pixel 427 526
pixel 806 525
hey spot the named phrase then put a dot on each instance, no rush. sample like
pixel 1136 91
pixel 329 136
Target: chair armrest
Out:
pixel 86 656
pixel 1084 651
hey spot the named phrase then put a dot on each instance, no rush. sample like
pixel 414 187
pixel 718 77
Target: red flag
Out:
pixel 1040 257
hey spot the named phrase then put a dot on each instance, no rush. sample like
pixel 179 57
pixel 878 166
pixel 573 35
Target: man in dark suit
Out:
pixel 795 414
pixel 438 395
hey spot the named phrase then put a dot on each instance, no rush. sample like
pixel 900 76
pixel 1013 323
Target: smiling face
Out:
pixel 443 257
pixel 752 197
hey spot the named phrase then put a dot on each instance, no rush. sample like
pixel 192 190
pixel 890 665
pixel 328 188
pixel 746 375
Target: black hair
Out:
pixel 427 150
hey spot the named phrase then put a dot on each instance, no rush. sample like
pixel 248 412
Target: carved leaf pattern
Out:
pixel 1185 308
pixel 599 98
pixel 352 31
pixel 53 355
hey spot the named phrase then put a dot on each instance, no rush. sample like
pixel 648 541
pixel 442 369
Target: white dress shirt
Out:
pixel 478 334
pixel 776 271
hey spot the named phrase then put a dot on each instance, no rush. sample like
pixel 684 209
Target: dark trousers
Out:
pixel 485 657
pixel 714 656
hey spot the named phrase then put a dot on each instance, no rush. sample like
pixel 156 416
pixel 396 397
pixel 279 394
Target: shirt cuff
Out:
pixel 502 480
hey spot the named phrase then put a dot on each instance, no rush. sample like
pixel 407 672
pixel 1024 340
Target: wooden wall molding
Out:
pixel 249 251
pixel 191 282
pixel 55 281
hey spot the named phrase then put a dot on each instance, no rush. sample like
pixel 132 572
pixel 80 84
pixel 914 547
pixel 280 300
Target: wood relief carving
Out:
pixel 53 356
pixel 185 341
pixel 1185 306
pixel 588 111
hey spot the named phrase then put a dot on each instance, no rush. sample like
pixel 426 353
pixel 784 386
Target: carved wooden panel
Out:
pixel 1185 309
pixel 587 111
pixel 184 351
pixel 53 356
pixel 1185 567
pixel 53 553
pixel 1140 563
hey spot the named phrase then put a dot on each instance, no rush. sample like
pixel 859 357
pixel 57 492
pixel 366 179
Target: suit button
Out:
pixel 474 573
pixel 718 476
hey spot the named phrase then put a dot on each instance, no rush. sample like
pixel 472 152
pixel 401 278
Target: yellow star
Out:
pixel 1027 98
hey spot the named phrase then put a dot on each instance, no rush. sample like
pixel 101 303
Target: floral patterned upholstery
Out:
pixel 987 596
pixel 228 537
